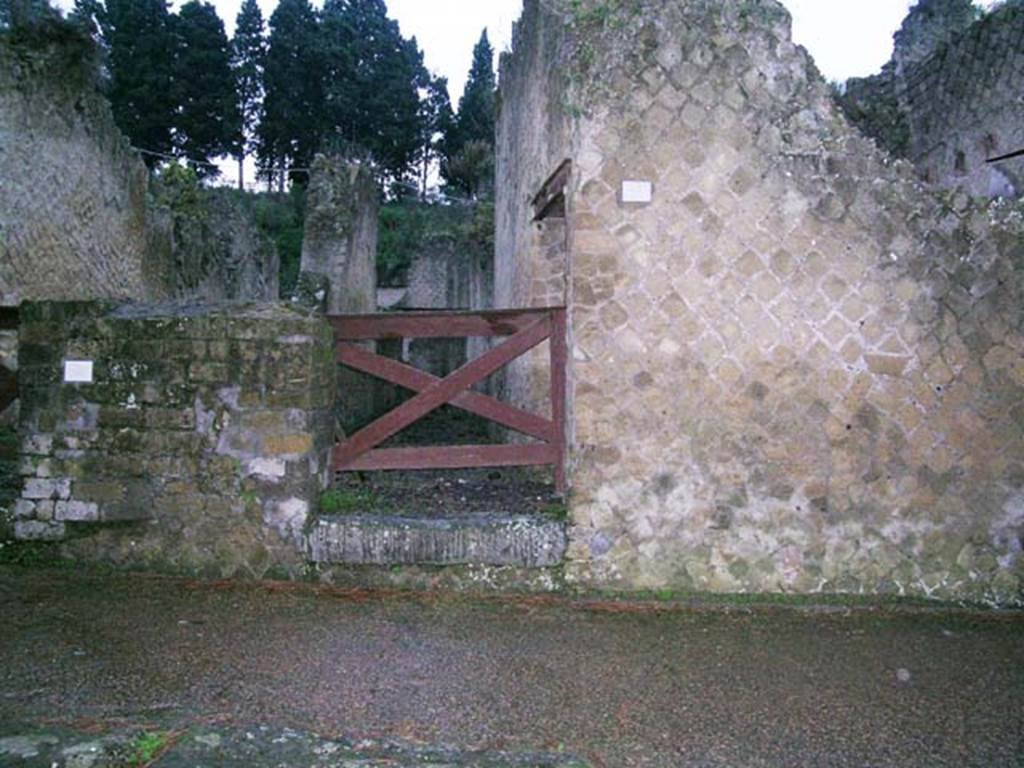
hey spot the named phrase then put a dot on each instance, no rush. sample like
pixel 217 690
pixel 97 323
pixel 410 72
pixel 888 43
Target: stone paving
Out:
pixel 241 748
pixel 88 656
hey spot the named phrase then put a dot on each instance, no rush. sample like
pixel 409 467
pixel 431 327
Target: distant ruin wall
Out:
pixel 951 97
pixel 73 194
pixel 213 250
pixel 794 368
pixel 446 273
pixel 965 104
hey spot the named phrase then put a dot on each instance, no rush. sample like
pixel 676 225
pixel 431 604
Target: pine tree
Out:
pixel 468 164
pixel 477 105
pixel 249 52
pixel 138 44
pixel 437 119
pixel 292 116
pixel 208 123
pixel 373 79
pixel 26 14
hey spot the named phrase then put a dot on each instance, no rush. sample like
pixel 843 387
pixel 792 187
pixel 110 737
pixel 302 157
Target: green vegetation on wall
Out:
pixel 406 225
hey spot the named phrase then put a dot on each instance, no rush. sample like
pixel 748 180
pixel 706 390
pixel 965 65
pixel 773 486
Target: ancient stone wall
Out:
pixel 534 138
pixel 340 238
pixel 73 194
pixel 78 216
pixel 929 25
pixel 794 368
pixel 201 444
pixel 212 249
pixel 10 481
pixel 339 268
pixel 445 274
pixel 950 99
pixel 964 105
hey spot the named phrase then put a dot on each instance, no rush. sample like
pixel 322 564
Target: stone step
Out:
pixel 520 540
pixel 252 747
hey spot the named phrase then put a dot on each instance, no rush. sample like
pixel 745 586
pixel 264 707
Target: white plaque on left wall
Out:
pixel 78 371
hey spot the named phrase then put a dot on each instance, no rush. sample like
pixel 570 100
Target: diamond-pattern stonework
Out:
pixel 796 369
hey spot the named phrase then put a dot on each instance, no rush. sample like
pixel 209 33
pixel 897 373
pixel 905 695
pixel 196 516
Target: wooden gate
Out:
pixel 525 330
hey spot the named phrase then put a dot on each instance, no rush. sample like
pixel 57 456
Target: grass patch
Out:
pixel 149 746
pixel 347 501
pixel 558 510
pixel 31 554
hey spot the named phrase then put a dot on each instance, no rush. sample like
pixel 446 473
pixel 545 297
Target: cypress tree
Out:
pixel 208 123
pixel 373 82
pixel 436 119
pixel 249 52
pixel 138 43
pixel 477 106
pixel 290 124
pixel 468 163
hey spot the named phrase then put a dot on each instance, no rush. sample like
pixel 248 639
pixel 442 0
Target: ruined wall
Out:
pixel 211 248
pixel 794 369
pixel 78 216
pixel 447 273
pixel 930 24
pixel 951 98
pixel 964 105
pixel 73 194
pixel 200 446
pixel 340 238
pixel 533 138
pixel 339 269
pixel 10 481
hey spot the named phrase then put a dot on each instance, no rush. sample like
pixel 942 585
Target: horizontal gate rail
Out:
pixel 432 325
pixel 525 329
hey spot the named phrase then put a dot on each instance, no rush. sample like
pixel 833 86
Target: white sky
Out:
pixel 847 38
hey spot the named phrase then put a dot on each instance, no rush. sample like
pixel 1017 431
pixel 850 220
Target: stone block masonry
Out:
pixel 201 444
pixel 795 368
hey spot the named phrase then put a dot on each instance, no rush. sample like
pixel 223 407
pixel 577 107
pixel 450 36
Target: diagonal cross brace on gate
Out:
pixel 525 329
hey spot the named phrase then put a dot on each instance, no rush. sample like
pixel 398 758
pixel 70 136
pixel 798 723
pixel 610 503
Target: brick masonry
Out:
pixel 795 369
pixel 951 98
pixel 201 446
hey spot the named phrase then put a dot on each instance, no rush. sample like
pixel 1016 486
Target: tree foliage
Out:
pixel 477 105
pixel 249 53
pixel 373 81
pixel 139 46
pixel 468 164
pixel 208 123
pixel 290 125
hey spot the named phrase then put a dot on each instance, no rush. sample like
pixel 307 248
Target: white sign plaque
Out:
pixel 78 371
pixel 637 191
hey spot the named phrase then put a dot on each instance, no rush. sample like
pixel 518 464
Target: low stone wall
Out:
pixel 201 444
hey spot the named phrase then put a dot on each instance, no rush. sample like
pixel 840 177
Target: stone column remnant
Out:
pixel 340 240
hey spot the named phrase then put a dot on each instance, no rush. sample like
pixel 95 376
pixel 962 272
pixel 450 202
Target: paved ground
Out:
pixel 616 684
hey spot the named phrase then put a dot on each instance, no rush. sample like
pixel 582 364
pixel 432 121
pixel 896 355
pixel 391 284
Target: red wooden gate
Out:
pixel 525 330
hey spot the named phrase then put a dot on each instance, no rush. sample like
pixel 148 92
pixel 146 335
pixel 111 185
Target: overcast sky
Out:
pixel 847 38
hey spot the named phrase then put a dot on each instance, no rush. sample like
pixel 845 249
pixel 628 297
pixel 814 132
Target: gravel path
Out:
pixel 620 684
